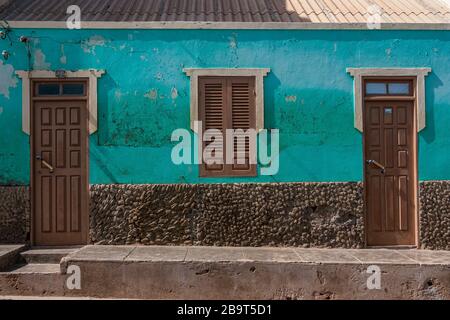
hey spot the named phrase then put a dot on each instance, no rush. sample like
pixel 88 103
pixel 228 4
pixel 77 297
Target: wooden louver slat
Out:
pixel 213 97
pixel 240 118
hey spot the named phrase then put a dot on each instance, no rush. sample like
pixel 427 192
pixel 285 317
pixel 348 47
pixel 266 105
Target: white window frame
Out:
pixel 91 74
pixel 360 73
pixel 258 73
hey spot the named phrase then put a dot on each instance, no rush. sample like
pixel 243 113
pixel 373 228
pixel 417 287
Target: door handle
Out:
pixel 45 163
pixel 377 164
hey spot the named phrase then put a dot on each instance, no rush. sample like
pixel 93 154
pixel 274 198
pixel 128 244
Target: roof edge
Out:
pixel 227 25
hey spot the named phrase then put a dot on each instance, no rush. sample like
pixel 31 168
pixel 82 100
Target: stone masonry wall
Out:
pixel 14 214
pixel 435 215
pixel 287 214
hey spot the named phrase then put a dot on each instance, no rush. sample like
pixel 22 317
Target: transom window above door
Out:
pixel 59 89
pixel 415 76
pixel 388 88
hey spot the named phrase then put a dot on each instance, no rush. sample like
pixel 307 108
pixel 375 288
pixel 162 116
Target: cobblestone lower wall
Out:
pixel 288 214
pixel 435 215
pixel 14 214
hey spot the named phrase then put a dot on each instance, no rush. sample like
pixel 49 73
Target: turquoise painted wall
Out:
pixel 144 96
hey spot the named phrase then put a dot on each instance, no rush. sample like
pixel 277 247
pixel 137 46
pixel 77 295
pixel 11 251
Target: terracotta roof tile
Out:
pixel 330 11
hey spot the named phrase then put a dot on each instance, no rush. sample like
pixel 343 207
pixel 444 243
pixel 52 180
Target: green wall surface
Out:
pixel 144 96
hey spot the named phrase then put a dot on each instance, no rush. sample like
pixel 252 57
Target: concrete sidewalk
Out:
pixel 260 273
pixel 169 272
pixel 249 254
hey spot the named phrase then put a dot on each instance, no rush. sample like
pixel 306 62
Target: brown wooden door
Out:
pixel 60 185
pixel 390 193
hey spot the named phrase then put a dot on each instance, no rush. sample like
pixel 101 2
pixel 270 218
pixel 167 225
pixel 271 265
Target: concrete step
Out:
pixel 35 268
pixel 42 280
pixel 9 255
pixel 46 255
pixel 37 272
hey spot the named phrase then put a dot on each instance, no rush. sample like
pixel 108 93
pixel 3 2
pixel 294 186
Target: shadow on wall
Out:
pixel 106 85
pixel 432 82
pixel 96 155
pixel 272 82
pixel 100 158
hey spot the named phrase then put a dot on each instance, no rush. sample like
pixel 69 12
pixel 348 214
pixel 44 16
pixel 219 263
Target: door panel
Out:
pixel 390 197
pixel 60 184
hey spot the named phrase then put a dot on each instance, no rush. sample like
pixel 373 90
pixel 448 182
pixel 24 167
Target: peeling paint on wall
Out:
pixel 232 41
pixel 290 98
pixel 93 42
pixel 152 94
pixel 62 58
pixel 118 94
pixel 7 79
pixel 233 45
pixel 388 52
pixel 174 93
pixel 308 95
pixel 39 62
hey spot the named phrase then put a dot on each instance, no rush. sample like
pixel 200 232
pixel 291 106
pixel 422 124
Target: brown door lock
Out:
pixel 45 163
pixel 377 164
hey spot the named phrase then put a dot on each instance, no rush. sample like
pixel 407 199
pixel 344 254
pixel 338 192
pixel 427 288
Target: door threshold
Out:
pixel 396 247
pixel 78 246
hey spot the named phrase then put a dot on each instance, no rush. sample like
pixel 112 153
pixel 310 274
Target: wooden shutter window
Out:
pixel 228 103
pixel 242 117
pixel 212 100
